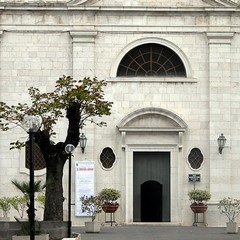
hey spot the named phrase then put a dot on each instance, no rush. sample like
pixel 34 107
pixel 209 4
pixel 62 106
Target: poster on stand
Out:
pixel 84 183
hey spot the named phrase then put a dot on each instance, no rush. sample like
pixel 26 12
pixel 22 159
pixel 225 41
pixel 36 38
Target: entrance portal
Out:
pixel 151 186
pixel 151 195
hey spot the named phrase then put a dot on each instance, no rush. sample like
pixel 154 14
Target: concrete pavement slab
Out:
pixel 157 233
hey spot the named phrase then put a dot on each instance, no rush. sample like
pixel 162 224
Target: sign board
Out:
pixel 84 183
pixel 194 177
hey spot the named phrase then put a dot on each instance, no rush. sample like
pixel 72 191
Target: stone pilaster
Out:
pixel 1 35
pixel 219 45
pixel 83 49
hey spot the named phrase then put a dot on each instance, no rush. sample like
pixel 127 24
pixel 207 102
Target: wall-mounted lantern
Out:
pixel 82 141
pixel 221 142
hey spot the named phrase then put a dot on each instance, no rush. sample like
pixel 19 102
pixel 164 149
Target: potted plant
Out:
pixel 231 208
pixel 110 197
pixel 199 199
pixel 5 206
pixel 92 205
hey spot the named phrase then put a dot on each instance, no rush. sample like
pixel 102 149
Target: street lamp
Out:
pixel 31 124
pixel 82 141
pixel 69 149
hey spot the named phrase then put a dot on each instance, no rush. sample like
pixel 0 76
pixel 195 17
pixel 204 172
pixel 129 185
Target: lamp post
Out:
pixel 31 124
pixel 82 141
pixel 69 149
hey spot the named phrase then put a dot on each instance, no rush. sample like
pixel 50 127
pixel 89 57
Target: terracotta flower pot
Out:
pixel 199 208
pixel 108 208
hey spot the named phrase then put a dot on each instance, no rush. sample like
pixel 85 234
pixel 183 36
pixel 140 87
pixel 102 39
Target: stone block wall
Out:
pixel 39 46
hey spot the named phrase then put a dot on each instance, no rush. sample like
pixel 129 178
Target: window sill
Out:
pixel 152 79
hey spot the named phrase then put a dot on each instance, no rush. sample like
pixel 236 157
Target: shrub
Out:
pixel 5 205
pixel 199 196
pixel 230 207
pixel 92 205
pixel 19 203
pixel 110 194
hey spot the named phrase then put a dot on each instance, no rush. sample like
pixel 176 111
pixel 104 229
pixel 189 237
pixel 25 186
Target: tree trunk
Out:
pixel 55 157
pixel 54 190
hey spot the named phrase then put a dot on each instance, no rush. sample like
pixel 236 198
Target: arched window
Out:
pixel 151 60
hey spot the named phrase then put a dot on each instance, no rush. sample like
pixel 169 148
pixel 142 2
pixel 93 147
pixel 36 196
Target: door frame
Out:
pixel 174 177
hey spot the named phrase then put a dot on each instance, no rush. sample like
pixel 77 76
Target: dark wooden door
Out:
pixel 151 187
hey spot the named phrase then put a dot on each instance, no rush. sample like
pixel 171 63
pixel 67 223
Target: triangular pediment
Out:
pixel 163 3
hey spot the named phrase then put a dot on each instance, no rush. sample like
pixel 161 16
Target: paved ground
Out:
pixel 157 233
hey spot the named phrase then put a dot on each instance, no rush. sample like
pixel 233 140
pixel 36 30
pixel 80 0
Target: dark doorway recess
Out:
pixel 151 201
pixel 151 187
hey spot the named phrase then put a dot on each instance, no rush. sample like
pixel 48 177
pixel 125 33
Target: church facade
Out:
pixel 172 73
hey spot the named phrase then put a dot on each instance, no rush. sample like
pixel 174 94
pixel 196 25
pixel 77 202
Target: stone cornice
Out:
pixel 214 5
pixel 71 7
pixel 226 3
pixel 153 9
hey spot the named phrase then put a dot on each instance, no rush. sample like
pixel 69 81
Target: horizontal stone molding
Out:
pixel 43 6
pixel 150 129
